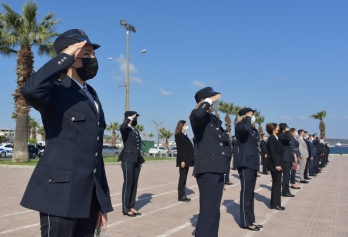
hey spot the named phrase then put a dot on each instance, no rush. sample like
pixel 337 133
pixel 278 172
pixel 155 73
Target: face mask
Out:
pixel 186 127
pixel 253 119
pixel 134 123
pixel 89 68
pixel 215 106
pixel 265 138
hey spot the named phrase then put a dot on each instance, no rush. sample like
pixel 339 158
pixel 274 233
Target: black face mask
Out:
pixel 134 123
pixel 89 68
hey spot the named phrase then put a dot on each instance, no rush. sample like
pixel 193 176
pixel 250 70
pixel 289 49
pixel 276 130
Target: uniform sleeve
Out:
pixel 179 147
pixel 124 128
pixel 36 90
pixel 285 137
pixel 197 115
pixel 272 152
pixel 244 126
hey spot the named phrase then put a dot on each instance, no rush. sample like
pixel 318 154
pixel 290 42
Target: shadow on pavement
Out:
pixel 233 208
pixel 193 221
pixel 143 200
pixel 263 199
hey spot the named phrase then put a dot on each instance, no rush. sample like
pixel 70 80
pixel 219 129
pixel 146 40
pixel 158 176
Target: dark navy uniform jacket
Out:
pixel 72 166
pixel 132 144
pixel 247 140
pixel 211 154
pixel 285 140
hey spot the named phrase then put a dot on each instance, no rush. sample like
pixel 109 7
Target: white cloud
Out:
pixel 121 60
pixel 284 117
pixel 196 83
pixel 136 79
pixel 302 117
pixel 165 93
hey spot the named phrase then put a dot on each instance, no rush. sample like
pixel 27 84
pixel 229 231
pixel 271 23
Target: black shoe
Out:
pixel 304 182
pixel 234 169
pixel 251 228
pixel 314 175
pixel 130 215
pixel 319 171
pixel 258 175
pixel 307 178
pixel 258 226
pixel 279 208
pixel 288 195
pixel 229 183
pixel 295 187
pixel 265 173
pixel 184 199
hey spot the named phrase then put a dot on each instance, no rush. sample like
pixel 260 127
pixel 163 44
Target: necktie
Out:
pixel 89 95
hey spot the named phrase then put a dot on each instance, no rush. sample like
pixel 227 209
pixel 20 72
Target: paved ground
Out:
pixel 320 208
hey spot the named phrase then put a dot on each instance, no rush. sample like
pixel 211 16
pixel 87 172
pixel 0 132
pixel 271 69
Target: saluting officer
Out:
pixel 132 161
pixel 229 148
pixel 248 163
pixel 68 186
pixel 211 161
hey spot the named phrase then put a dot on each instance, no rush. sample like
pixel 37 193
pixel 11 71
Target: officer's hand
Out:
pixel 133 116
pixel 312 158
pixel 279 168
pixel 266 156
pixel 74 49
pixel 182 164
pixel 296 160
pixel 102 220
pixel 215 97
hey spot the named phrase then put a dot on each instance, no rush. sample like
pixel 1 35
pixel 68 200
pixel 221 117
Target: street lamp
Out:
pixel 126 85
pixel 129 28
pixel 158 127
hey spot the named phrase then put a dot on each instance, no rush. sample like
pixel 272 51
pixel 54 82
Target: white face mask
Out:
pixel 215 106
pixel 253 119
pixel 186 127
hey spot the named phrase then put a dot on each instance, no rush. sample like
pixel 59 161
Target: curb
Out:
pixel 107 163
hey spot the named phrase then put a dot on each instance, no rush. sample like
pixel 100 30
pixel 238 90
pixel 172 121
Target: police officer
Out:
pixel 132 161
pixel 234 152
pixel 211 161
pixel 229 149
pixel 248 163
pixel 68 186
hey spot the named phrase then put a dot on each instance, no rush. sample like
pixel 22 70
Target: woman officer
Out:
pixel 211 161
pixel 248 163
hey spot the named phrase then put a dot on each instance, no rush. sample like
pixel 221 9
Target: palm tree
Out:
pixel 33 124
pixel 226 108
pixel 108 139
pixel 144 135
pixel 217 115
pixel 259 120
pixel 113 127
pixel 19 33
pixel 235 111
pixel 150 135
pixel 165 135
pixel 320 115
pixel 42 132
pixel 139 127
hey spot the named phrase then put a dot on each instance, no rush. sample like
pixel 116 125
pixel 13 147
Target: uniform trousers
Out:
pixel 210 186
pixel 316 163
pixel 131 173
pixel 182 181
pixel 56 226
pixel 286 168
pixel 293 176
pixel 247 196
pixel 234 155
pixel 227 176
pixel 305 174
pixel 276 188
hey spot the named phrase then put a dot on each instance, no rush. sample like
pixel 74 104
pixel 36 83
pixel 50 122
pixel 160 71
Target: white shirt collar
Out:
pixel 79 84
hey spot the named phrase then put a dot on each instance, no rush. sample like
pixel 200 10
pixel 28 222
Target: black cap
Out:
pixel 72 37
pixel 244 111
pixel 205 93
pixel 130 113
pixel 282 126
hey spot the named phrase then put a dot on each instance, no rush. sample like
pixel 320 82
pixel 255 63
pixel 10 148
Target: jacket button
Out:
pixel 223 153
pixel 59 63
pixel 95 171
pixel 50 181
pixel 96 154
pixel 98 138
pixel 98 123
pixel 73 119
pixel 217 128
pixel 221 144
pixel 64 58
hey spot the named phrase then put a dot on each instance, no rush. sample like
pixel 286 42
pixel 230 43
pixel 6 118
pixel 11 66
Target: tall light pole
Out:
pixel 127 76
pixel 158 127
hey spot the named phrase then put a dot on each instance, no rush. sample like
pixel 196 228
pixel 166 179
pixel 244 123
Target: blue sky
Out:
pixel 285 58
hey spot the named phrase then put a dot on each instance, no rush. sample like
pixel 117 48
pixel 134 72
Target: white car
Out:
pixel 109 151
pixel 6 150
pixel 157 150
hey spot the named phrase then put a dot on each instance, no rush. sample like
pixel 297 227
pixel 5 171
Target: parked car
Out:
pixel 41 150
pixel 33 151
pixel 6 150
pixel 172 152
pixel 157 150
pixel 110 151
